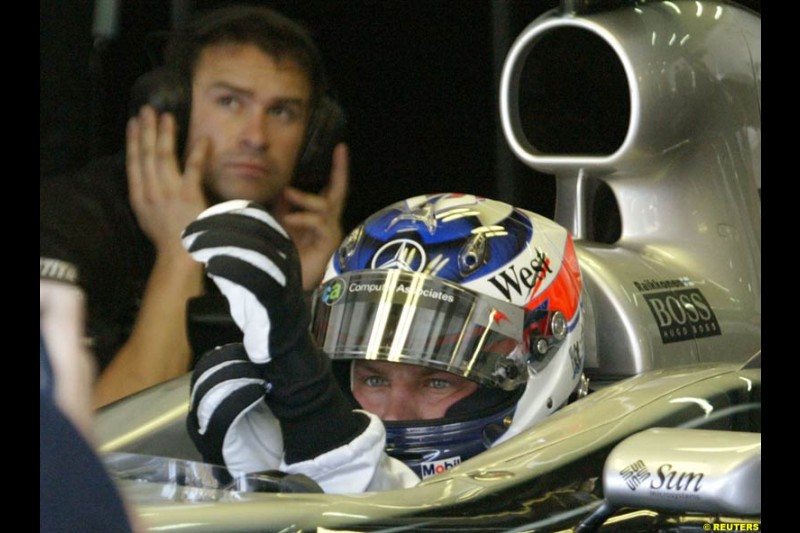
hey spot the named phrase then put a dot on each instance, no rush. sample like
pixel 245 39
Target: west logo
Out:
pixel 682 314
pixel 527 278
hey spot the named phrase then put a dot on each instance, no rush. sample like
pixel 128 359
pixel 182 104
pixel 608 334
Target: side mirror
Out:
pixel 686 470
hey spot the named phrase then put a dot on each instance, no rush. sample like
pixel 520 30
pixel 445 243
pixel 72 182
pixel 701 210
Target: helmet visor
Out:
pixel 409 317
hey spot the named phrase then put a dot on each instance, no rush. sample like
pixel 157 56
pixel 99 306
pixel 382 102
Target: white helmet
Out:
pixel 463 284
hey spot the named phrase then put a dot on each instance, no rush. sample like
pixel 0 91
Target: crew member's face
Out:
pixel 396 391
pixel 255 111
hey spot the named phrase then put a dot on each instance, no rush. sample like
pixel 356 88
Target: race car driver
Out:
pixel 444 325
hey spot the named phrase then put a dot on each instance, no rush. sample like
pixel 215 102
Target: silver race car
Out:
pixel 665 211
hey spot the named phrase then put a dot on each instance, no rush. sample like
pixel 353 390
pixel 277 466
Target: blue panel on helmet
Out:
pixel 454 248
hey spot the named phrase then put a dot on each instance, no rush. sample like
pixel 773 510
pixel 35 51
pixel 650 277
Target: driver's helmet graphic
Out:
pixel 462 284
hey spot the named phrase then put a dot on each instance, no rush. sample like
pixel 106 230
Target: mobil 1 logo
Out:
pixel 681 312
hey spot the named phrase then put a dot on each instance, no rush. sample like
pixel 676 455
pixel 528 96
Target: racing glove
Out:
pixel 255 264
pixel 225 386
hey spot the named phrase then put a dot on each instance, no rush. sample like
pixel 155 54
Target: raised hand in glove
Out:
pixel 254 263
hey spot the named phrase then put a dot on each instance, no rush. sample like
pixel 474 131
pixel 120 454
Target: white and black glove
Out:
pixel 255 264
pixel 225 384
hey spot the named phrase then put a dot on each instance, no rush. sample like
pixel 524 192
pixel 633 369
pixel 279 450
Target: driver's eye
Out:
pixel 439 384
pixel 375 381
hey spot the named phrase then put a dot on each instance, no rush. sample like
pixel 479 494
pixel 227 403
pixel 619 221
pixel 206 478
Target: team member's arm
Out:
pixel 164 201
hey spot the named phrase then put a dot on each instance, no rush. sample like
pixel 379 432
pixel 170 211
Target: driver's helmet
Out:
pixel 464 284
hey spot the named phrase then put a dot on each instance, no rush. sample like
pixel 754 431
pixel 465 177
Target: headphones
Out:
pixel 165 90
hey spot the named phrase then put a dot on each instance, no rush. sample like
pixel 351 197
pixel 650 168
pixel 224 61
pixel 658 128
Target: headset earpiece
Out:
pixel 326 129
pixel 166 91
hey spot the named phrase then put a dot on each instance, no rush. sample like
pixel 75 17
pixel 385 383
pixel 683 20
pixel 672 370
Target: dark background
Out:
pixel 417 78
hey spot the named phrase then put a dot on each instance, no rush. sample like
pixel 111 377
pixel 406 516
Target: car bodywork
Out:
pixel 538 480
pixel 681 94
pixel 673 305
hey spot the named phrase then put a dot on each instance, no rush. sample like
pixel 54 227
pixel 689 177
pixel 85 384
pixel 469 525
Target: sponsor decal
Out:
pixel 400 254
pixel 405 289
pixel 669 479
pixel 427 293
pixel 654 285
pixel 635 474
pixel 333 292
pixel 667 482
pixel 527 278
pixel 682 312
pixel 431 468
pixel 682 315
